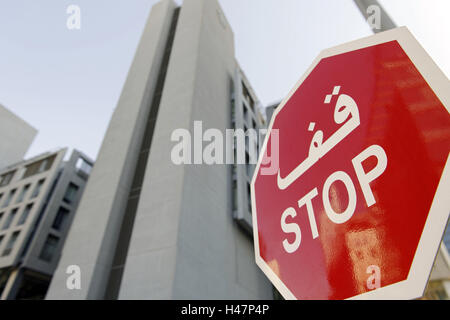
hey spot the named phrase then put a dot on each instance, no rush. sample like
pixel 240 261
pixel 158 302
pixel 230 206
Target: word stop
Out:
pixel 364 179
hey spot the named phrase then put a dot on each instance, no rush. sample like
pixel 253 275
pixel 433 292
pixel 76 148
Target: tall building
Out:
pixel 16 137
pixel 38 199
pixel 147 228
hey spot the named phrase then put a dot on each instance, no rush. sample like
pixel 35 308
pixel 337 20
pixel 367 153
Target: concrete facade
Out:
pixel 147 228
pixel 38 199
pixel 16 137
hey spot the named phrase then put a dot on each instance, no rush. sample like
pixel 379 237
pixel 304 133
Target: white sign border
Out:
pixel 414 286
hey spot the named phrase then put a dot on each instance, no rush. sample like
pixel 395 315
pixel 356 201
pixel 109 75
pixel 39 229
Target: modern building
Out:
pixel 147 228
pixel 38 199
pixel 438 287
pixel 16 137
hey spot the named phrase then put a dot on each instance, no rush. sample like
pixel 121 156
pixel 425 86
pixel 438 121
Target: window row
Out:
pixel 10 244
pixel 6 200
pixel 249 118
pixel 48 250
pixel 28 171
pixel 58 224
pixel 7 220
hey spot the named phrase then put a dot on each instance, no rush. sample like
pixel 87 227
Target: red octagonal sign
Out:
pixel 351 194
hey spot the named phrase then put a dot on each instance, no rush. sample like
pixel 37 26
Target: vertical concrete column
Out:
pixel 92 239
pixel 12 285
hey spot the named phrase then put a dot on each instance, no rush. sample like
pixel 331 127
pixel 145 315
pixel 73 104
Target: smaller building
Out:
pixel 38 199
pixel 16 137
pixel 438 287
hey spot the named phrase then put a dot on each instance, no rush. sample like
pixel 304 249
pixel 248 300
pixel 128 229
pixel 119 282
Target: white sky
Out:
pixel 67 83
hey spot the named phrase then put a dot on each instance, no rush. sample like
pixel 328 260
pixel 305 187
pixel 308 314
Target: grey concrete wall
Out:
pixel 185 244
pixel 16 137
pixel 92 239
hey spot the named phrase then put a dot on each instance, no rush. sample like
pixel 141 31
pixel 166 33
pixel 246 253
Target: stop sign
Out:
pixel 351 194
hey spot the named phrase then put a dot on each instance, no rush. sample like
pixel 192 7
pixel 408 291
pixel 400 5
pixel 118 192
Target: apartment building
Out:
pixel 38 200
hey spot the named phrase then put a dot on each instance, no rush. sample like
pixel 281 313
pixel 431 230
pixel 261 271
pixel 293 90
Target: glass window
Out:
pixel 6 178
pixel 84 166
pixel 23 193
pixel 9 198
pixel 1 240
pixel 60 219
pixel 43 165
pixel 39 166
pixel 48 251
pixel 25 214
pixel 71 193
pixel 10 244
pixel 38 188
pixel 1 217
pixel 10 219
